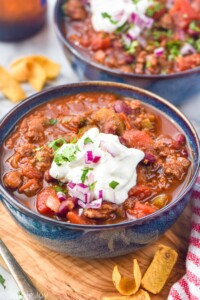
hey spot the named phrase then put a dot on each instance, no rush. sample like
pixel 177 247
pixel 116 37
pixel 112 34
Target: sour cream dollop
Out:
pixel 101 161
pixel 108 15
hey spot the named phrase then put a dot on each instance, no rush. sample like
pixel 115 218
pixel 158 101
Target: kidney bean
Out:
pixel 180 138
pixel 48 177
pixel 66 206
pixel 149 158
pixel 121 106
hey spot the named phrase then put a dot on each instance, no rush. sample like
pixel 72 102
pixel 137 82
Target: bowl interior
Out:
pixel 58 18
pixel 8 123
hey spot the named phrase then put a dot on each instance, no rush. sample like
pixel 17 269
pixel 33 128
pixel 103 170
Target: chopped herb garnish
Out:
pixel 132 47
pixel 87 140
pixel 58 188
pixel 153 9
pixel 174 48
pixel 135 1
pixel 56 144
pixel 92 186
pixel 113 184
pixel 148 64
pixel 53 121
pixel 68 154
pixel 123 28
pixel 74 141
pixel 105 15
pixel 77 148
pixel 2 281
pixel 84 174
pixel 197 45
pixel 193 26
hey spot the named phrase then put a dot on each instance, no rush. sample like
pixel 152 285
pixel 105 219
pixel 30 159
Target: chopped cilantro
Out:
pixel 135 1
pixel 148 64
pixel 87 140
pixel 58 188
pixel 84 174
pixel 53 121
pixel 197 45
pixel 193 26
pixel 92 186
pixel 123 28
pixel 132 47
pixel 105 15
pixel 68 154
pixel 77 148
pixel 2 281
pixel 153 9
pixel 174 48
pixel 113 184
pixel 191 41
pixel 74 140
pixel 56 144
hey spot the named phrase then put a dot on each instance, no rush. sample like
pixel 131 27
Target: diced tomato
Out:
pixel 188 62
pixel 183 13
pixel 138 139
pixel 47 201
pixel 141 210
pixel 100 42
pixel 74 218
pixel 140 192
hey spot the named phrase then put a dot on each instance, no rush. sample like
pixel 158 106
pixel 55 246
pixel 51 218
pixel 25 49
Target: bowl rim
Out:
pixel 7 197
pixel 113 72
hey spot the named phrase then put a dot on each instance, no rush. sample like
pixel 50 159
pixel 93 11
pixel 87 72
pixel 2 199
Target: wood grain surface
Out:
pixel 61 277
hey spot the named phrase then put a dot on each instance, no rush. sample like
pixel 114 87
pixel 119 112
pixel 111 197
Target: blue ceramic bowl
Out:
pixel 174 87
pixel 103 240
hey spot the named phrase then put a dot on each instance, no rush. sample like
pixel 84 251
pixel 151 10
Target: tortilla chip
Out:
pixel 20 71
pixel 125 285
pixel 51 68
pixel 37 75
pixel 159 270
pixel 140 295
pixel 10 87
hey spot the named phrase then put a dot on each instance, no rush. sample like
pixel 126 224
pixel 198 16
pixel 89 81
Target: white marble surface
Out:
pixel 46 43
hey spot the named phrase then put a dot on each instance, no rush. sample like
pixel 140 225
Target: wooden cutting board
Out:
pixel 61 277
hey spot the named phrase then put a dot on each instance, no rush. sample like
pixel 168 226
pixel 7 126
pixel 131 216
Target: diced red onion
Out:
pixel 80 187
pixel 96 159
pixel 63 209
pixel 101 194
pixel 126 40
pixel 88 157
pixel 95 204
pixel 141 21
pixel 119 15
pixel 187 49
pixel 142 41
pixel 80 211
pixel 61 196
pixel 81 204
pixel 159 51
pixel 181 34
pixel 77 194
pixel 71 185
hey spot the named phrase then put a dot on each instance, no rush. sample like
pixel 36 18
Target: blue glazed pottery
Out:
pixel 173 87
pixel 102 240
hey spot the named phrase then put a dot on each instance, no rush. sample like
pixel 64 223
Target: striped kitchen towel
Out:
pixel 188 287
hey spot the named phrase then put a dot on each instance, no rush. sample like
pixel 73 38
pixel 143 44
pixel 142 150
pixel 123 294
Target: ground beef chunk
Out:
pixel 103 212
pixel 176 167
pixel 13 179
